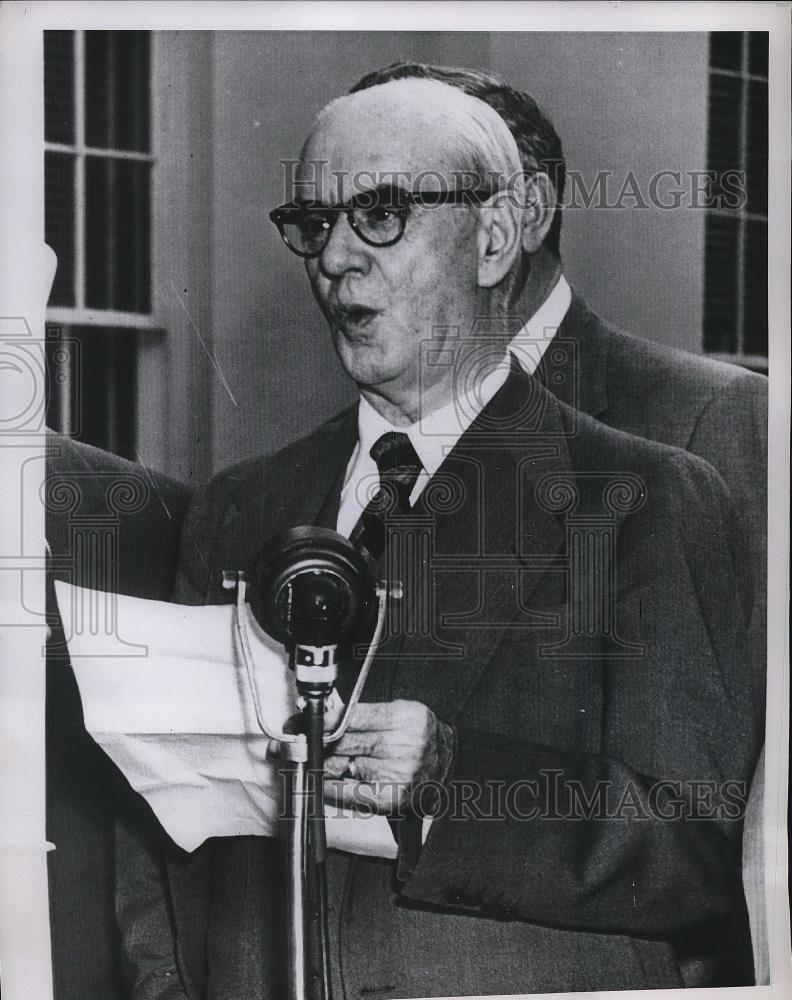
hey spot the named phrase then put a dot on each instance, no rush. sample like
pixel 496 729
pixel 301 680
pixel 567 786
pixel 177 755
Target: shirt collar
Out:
pixel 436 433
pixel 433 435
pixel 533 339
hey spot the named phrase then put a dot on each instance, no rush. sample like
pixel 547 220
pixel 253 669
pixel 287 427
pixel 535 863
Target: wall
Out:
pixel 174 366
pixel 626 102
pixel 263 371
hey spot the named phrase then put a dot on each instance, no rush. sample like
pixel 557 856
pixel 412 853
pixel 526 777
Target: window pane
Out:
pixel 117 75
pixel 755 313
pixel 720 284
pixel 724 126
pixel 724 122
pixel 101 385
pixel 117 234
pixel 738 140
pixel 59 223
pixel 757 52
pixel 726 49
pixel 59 86
pixel 757 147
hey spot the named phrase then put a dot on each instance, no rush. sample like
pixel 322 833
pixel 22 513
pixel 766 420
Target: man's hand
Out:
pixel 388 750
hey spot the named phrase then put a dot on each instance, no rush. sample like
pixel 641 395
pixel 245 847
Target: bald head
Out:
pixel 429 130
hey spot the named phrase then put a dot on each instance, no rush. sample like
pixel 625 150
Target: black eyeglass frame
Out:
pixel 368 200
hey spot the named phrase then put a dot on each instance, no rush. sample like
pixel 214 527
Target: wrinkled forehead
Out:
pixel 376 137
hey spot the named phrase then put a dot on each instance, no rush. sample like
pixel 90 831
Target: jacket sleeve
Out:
pixel 198 541
pixel 150 950
pixel 731 434
pixel 643 837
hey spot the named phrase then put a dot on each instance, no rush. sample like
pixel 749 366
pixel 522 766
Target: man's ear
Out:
pixel 499 237
pixel 540 207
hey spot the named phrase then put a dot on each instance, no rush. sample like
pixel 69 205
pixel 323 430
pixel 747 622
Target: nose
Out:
pixel 344 250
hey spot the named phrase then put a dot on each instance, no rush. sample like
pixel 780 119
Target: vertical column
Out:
pixel 24 913
pixel 591 539
pixel 410 544
pixel 92 558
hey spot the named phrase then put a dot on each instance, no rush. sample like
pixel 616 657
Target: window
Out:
pixel 735 278
pixel 98 163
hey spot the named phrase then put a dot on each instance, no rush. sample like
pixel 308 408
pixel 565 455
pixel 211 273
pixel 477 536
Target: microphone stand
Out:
pixel 315 669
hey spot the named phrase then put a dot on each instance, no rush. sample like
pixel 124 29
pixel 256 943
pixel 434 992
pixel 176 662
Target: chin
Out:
pixel 365 364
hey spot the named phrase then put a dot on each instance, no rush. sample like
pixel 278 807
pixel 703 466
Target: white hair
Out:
pixel 485 147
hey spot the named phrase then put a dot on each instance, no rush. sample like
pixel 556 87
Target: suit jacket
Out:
pixel 655 690
pixel 715 410
pixel 110 525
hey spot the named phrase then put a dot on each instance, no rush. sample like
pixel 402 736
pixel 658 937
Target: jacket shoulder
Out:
pixel 595 447
pixel 234 512
pixel 94 471
pixel 241 484
pixel 655 383
pixel 700 376
pixel 142 509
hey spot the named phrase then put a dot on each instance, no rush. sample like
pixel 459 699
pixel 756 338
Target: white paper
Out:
pixel 171 705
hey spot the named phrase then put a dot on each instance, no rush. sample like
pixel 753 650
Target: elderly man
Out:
pixel 709 408
pixel 572 688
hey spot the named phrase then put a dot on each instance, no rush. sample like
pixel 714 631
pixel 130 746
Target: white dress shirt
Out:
pixel 436 433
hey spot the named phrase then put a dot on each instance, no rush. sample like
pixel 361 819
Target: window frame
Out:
pixel 79 314
pixel 756 362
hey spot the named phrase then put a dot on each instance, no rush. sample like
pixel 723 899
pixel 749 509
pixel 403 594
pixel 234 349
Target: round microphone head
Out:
pixel 313 586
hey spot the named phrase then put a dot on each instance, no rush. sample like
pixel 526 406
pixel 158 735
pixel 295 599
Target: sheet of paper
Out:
pixel 166 695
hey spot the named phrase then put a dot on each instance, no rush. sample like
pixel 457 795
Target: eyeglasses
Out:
pixel 378 216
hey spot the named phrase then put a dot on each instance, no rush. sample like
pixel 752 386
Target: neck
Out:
pixel 544 270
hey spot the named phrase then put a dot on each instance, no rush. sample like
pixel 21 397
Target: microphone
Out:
pixel 311 590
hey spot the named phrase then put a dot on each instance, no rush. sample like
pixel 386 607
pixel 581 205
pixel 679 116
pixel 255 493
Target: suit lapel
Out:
pixel 301 487
pixel 314 492
pixel 489 547
pixel 327 515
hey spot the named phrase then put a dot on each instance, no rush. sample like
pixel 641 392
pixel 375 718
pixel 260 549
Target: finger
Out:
pixel 365 796
pixel 333 713
pixel 359 796
pixel 336 765
pixel 389 715
pixel 371 715
pixel 364 769
pixel 362 744
pixel 359 768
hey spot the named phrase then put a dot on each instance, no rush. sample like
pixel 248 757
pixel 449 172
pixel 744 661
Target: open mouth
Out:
pixel 353 317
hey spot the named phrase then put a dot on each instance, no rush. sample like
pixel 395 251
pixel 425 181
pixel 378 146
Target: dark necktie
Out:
pixel 399 468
